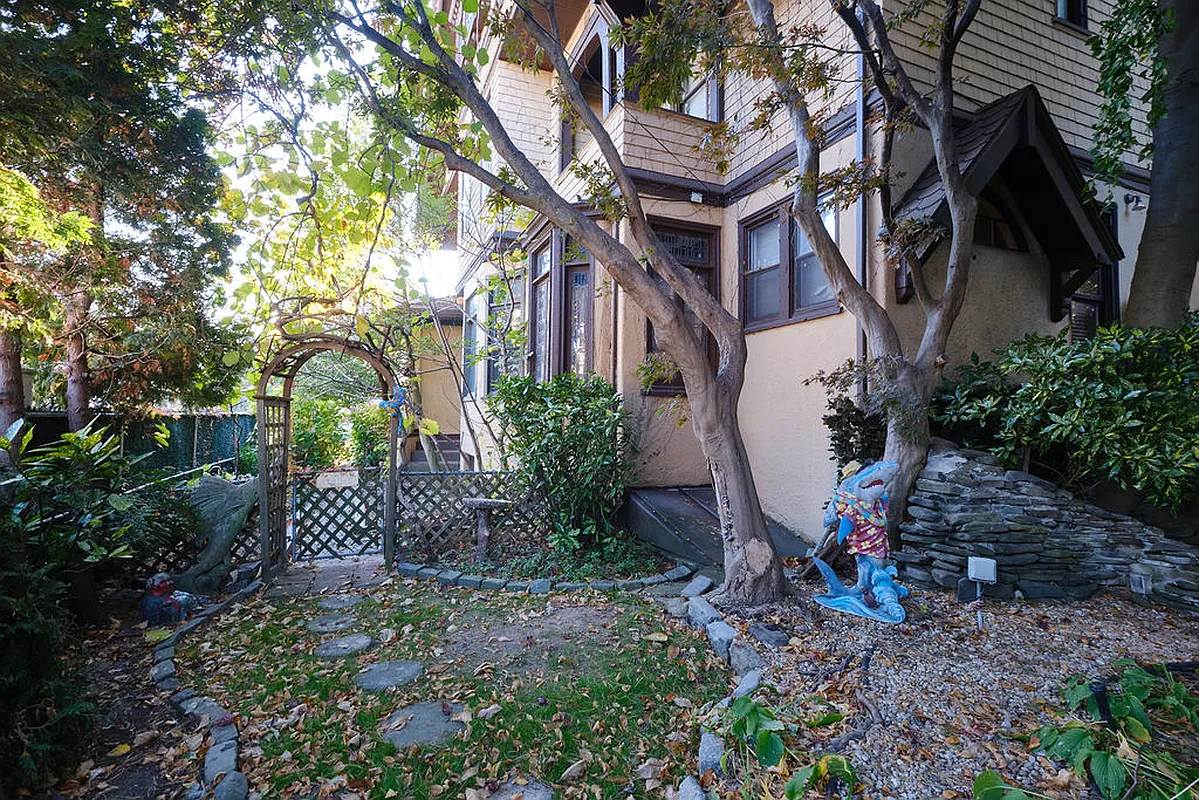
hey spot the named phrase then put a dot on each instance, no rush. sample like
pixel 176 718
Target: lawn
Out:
pixel 596 688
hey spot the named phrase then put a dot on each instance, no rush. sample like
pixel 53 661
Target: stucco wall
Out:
pixel 438 388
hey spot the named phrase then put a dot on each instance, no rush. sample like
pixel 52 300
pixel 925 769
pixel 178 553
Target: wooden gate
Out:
pixel 337 513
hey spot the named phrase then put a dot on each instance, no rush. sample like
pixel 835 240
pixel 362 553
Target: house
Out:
pixel 1044 260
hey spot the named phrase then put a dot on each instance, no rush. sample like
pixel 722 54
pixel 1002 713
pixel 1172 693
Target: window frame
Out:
pixel 675 386
pixel 712 86
pixel 569 268
pixel 789 311
pixel 1061 15
pixel 536 281
pixel 470 345
pixel 503 361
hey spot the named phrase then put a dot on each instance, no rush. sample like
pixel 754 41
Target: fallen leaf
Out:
pixel 489 712
pixel 120 750
pixel 573 772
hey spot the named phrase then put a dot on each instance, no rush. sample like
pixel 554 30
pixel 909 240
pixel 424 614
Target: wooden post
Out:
pixel 264 517
pixel 391 496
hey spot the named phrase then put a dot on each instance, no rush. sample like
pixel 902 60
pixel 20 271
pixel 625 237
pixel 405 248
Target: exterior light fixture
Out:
pixel 981 570
pixel 1135 202
pixel 697 197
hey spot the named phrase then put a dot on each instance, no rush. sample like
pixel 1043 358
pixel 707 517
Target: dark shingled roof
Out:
pixel 984 142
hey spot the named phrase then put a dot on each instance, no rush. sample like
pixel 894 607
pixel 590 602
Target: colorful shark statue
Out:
pixel 860 503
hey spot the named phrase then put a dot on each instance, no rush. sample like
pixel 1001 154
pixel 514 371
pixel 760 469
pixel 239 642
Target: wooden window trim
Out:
pixel 788 313
pixel 1075 27
pixel 534 282
pixel 676 388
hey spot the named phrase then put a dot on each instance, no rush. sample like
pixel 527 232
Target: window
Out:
pixel 470 345
pixel 696 250
pixel 1073 11
pixel 701 97
pixel 577 338
pixel 781 278
pixel 503 322
pixel 539 333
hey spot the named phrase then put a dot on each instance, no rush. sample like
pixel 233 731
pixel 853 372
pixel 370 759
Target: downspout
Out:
pixel 863 234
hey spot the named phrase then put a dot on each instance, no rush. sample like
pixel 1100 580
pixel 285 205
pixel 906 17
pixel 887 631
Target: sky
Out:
pixel 439 268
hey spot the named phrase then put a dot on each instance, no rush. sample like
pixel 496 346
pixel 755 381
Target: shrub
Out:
pixel 570 441
pixel 857 427
pixel 1123 406
pixel 368 435
pixel 317 438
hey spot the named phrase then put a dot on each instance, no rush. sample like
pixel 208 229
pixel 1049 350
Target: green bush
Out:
pixel 317 438
pixel 1123 406
pixel 368 435
pixel 569 441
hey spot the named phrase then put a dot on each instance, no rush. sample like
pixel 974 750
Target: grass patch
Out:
pixel 574 678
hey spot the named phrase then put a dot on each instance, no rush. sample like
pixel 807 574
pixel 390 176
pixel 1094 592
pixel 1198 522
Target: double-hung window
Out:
pixel 470 345
pixel 781 278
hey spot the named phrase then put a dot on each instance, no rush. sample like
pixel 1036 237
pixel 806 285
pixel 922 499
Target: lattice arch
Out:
pixel 274 439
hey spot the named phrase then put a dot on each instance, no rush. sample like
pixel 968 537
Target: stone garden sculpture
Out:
pixel 859 508
pixel 223 507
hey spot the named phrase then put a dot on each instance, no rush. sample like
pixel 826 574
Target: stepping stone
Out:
pixel 330 623
pixel 339 602
pixel 533 790
pixel 343 646
pixel 420 724
pixel 386 674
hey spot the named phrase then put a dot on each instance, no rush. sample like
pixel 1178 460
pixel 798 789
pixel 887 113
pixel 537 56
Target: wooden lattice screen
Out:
pixel 337 513
pixel 274 417
pixel 178 557
pixel 433 516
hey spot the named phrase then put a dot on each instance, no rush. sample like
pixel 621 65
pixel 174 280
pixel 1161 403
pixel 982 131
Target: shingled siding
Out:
pixel 1048 543
pixel 1013 43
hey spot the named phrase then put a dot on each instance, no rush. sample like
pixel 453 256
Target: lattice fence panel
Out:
pixel 274 413
pixel 432 514
pixel 337 513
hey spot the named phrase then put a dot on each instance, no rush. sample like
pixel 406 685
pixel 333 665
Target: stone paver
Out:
pixel 343 646
pixel 698 585
pixel 533 790
pixel 388 674
pixel 721 634
pixel 339 602
pixel 421 724
pixel 234 786
pixel 711 750
pixel 330 623
pixel 743 658
pixel 700 612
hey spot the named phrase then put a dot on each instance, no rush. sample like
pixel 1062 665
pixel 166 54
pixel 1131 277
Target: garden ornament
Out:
pixel 396 404
pixel 163 605
pixel 859 508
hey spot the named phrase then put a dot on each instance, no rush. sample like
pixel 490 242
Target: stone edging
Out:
pixel 454 577
pixel 221 759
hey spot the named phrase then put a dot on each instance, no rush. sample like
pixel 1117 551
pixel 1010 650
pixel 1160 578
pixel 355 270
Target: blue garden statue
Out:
pixel 395 406
pixel 860 503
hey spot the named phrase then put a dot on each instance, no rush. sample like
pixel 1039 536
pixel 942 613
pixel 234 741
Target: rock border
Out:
pixel 221 759
pixel 454 577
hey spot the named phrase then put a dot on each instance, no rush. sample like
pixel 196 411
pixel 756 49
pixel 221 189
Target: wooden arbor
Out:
pixel 274 439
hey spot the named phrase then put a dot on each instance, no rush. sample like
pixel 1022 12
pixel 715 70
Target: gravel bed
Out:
pixel 951 698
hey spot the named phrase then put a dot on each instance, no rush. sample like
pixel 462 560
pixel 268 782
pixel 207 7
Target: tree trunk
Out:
pixel 12 387
pixel 753 574
pixel 77 309
pixel 1165 270
pixel 907 441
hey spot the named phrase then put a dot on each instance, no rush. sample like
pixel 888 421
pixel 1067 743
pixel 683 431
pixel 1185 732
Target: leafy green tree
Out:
pixel 1157 42
pixel 30 232
pixel 93 113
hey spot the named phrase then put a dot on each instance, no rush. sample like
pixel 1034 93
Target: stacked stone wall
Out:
pixel 1048 543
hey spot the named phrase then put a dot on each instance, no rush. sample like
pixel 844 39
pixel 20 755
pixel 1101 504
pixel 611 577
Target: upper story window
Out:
pixel 781 278
pixel 1073 12
pixel 701 97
